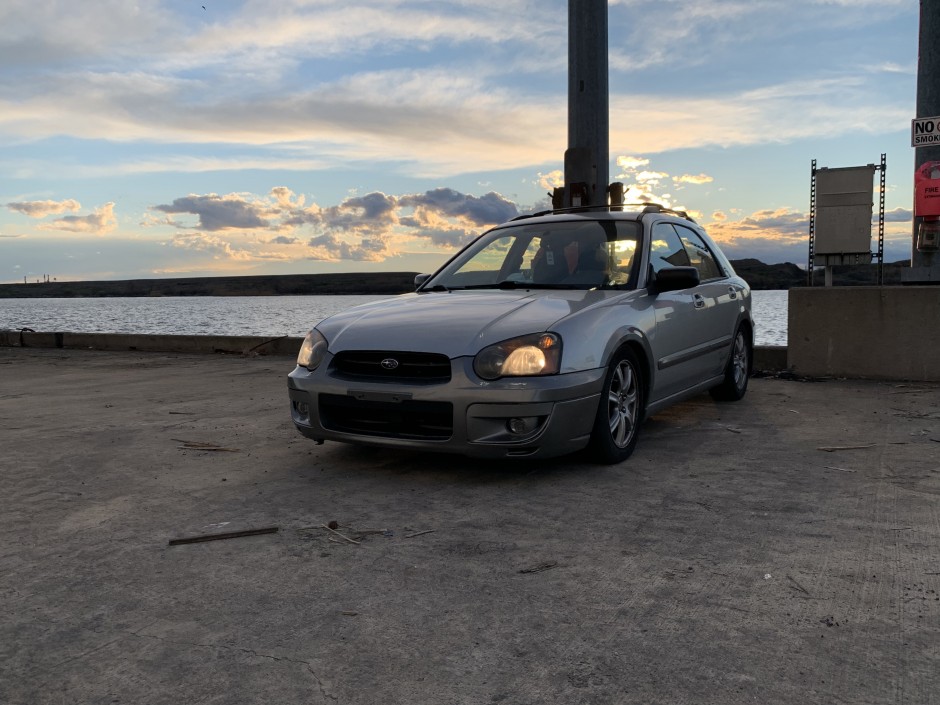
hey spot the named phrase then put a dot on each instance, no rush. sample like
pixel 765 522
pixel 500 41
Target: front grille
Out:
pixel 399 366
pixel 431 420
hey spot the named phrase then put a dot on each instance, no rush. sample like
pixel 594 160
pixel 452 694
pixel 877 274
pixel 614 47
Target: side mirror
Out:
pixel 675 279
pixel 420 279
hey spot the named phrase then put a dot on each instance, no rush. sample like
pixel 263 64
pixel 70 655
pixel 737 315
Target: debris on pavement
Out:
pixel 540 567
pixel 832 449
pixel 224 535
pixel 342 536
pixel 419 533
pixel 201 445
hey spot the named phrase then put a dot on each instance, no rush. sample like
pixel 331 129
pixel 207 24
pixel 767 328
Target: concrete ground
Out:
pixel 784 549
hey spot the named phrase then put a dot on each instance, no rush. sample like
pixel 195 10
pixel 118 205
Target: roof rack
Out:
pixel 644 206
pixel 660 208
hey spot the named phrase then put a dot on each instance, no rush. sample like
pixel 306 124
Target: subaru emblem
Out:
pixel 389 363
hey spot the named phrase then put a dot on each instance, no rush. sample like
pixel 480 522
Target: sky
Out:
pixel 169 138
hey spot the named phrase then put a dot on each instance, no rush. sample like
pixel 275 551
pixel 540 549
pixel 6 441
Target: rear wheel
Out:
pixel 734 386
pixel 620 410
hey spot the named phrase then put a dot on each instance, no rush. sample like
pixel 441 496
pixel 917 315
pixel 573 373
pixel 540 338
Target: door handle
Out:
pixel 698 300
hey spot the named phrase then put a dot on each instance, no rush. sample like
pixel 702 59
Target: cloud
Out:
pixel 693 179
pixel 332 248
pixel 781 223
pixel 286 199
pixel 489 209
pixel 369 216
pixel 218 212
pixel 630 164
pixel 897 215
pixel 213 245
pixel 101 222
pixel 782 235
pixel 40 209
pixel 552 179
pixel 370 227
pixel 771 235
pixel 456 94
pixel 449 238
pixel 643 184
pixel 430 122
pixel 650 177
pixel 891 67
pixel 779 113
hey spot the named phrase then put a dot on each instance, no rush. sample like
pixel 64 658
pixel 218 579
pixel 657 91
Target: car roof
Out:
pixel 626 211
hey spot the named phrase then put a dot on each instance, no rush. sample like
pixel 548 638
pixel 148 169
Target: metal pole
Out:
pixel 587 170
pixel 928 104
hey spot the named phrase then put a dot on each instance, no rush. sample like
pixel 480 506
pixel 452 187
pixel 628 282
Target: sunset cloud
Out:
pixel 631 164
pixel 240 134
pixel 897 215
pixel 697 179
pixel 218 212
pixel 333 249
pixel 367 228
pixel 552 179
pixel 41 209
pixel 101 222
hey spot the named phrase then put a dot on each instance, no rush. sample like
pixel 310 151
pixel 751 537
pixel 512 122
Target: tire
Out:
pixel 737 371
pixel 619 411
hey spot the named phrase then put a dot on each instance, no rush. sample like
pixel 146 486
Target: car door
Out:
pixel 718 306
pixel 683 331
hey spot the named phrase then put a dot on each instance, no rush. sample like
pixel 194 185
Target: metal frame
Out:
pixel 881 222
pixel 880 256
pixel 812 225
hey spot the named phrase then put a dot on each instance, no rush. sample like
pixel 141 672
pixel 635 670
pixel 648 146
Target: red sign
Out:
pixel 927 190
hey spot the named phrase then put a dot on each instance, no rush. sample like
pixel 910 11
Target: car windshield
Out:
pixel 581 254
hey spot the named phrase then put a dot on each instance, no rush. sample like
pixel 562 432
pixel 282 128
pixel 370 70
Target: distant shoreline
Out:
pixel 378 283
pixel 760 276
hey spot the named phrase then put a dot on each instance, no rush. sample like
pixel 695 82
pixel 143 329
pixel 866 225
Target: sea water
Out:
pixel 251 315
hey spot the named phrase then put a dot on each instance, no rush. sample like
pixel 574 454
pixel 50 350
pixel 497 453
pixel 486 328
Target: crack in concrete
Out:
pixel 243 650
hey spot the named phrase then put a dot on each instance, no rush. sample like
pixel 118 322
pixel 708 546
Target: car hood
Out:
pixel 452 323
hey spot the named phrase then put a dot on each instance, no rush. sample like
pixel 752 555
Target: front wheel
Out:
pixel 620 411
pixel 734 385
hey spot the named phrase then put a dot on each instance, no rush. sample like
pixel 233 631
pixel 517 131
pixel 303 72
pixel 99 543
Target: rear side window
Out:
pixel 666 249
pixel 700 256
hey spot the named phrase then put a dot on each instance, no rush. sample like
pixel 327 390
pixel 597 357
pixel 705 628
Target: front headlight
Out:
pixel 312 351
pixel 537 354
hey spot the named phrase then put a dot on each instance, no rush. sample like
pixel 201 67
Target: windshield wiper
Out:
pixel 505 284
pixel 511 284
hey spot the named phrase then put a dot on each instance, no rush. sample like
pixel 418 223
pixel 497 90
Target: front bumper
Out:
pixel 534 417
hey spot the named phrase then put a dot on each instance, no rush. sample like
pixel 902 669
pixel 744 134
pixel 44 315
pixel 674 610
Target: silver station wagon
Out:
pixel 546 335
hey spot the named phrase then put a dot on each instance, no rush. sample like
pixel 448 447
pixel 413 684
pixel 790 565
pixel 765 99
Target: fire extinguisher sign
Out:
pixel 927 190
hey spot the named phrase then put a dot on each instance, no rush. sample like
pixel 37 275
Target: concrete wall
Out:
pixel 767 359
pixel 865 332
pixel 237 345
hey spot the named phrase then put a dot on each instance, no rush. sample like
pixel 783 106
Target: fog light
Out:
pixel 302 409
pixel 519 426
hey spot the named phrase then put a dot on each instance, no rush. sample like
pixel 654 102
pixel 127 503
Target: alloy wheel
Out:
pixel 623 404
